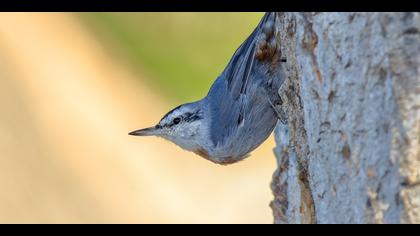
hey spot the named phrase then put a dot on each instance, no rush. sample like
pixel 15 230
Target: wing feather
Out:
pixel 239 68
pixel 231 93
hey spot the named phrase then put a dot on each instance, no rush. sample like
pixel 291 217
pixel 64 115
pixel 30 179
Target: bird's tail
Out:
pixel 268 17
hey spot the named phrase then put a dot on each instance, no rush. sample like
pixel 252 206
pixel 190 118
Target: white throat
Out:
pixel 190 137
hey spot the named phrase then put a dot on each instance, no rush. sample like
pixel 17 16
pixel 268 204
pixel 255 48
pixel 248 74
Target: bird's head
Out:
pixel 182 125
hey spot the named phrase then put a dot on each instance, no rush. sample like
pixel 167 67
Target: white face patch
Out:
pixel 183 126
pixel 183 115
pixel 169 118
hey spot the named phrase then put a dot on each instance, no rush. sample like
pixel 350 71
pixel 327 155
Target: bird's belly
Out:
pixel 222 160
pixel 241 145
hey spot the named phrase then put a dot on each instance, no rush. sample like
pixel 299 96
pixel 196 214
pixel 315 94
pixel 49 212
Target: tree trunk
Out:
pixel 351 150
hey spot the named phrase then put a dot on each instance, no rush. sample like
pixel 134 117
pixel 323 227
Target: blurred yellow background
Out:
pixel 73 85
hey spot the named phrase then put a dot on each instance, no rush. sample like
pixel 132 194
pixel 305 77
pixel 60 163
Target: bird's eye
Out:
pixel 177 120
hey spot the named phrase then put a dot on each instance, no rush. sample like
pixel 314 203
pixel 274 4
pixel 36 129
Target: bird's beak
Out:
pixel 145 132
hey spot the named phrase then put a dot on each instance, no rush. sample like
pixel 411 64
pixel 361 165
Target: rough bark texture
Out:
pixel 351 150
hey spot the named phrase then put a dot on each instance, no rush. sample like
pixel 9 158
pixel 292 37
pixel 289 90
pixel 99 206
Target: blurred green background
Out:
pixel 72 85
pixel 183 52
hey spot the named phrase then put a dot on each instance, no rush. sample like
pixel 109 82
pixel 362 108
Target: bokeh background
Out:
pixel 73 85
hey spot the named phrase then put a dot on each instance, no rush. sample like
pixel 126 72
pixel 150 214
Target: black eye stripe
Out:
pixel 193 117
pixel 187 117
pixel 176 120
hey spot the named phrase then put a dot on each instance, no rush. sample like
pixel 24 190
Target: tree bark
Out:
pixel 350 152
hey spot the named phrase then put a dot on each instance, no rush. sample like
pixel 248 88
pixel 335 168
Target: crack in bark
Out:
pixel 309 42
pixel 297 143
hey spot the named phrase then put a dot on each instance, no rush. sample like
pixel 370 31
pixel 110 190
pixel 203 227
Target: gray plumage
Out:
pixel 239 111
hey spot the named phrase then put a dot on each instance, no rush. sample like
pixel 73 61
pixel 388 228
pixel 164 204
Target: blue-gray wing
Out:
pixel 239 67
pixel 233 93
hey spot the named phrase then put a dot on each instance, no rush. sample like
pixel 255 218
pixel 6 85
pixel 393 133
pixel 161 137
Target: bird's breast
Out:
pixel 218 160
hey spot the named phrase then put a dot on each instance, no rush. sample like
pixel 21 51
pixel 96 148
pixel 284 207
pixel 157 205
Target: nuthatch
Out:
pixel 240 110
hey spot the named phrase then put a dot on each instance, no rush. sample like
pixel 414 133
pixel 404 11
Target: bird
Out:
pixel 241 108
